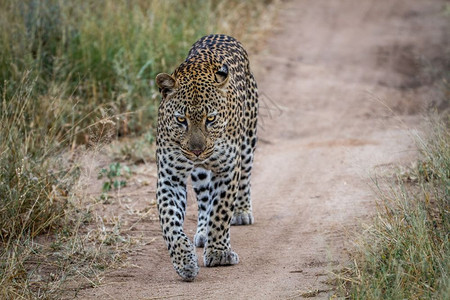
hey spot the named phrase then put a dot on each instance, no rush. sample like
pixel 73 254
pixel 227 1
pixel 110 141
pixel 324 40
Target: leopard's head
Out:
pixel 192 112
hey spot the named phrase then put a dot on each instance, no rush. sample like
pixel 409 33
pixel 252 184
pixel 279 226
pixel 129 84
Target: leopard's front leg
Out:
pixel 218 249
pixel 171 199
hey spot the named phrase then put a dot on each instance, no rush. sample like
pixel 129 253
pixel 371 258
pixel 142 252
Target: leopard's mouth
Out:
pixel 199 157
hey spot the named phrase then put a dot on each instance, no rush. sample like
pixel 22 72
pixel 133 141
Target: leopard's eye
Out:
pixel 181 120
pixel 210 119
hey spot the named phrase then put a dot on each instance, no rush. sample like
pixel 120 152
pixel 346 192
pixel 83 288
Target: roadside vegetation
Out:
pixel 405 253
pixel 73 75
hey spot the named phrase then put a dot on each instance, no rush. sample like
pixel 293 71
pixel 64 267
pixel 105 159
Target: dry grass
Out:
pixel 405 253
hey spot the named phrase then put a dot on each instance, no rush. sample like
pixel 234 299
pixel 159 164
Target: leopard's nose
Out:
pixel 197 152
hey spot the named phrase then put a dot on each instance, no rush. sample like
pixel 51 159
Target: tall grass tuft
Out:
pixel 406 253
pixel 29 187
pixel 33 186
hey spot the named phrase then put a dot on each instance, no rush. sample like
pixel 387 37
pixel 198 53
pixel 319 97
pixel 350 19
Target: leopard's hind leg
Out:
pixel 243 214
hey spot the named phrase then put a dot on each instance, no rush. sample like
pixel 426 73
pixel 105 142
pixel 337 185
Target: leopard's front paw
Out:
pixel 188 270
pixel 214 258
pixel 242 218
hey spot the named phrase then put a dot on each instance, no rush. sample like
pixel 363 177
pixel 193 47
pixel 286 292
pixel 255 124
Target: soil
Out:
pixel 343 87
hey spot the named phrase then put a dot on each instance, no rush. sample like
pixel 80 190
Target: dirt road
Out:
pixel 341 87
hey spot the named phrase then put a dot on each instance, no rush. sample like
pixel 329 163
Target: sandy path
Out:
pixel 323 77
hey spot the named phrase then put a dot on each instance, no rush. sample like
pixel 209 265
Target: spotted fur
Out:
pixel 206 129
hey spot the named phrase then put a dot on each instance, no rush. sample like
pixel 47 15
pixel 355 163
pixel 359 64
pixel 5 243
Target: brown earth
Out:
pixel 342 85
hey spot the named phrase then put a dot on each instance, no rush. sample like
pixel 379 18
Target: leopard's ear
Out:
pixel 166 83
pixel 222 77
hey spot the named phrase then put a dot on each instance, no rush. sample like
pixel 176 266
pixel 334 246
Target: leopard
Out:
pixel 206 131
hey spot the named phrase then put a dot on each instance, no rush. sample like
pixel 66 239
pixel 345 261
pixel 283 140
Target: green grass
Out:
pixel 115 178
pixel 405 254
pixel 80 73
pixel 104 55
